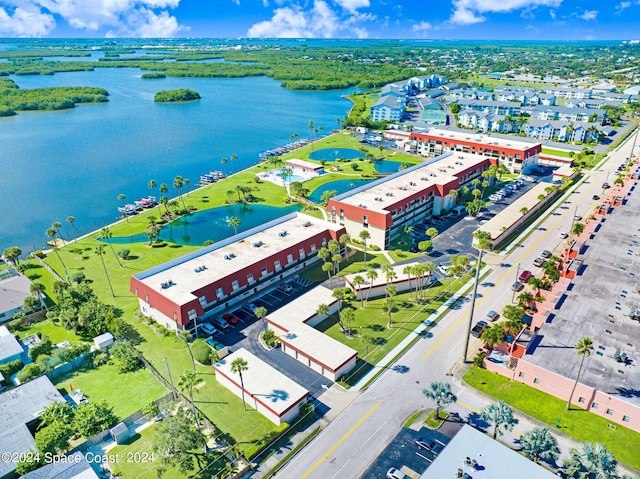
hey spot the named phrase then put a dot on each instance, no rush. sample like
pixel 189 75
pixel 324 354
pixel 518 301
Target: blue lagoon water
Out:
pixel 340 186
pixel 76 162
pixel 387 166
pixel 332 154
pixel 212 224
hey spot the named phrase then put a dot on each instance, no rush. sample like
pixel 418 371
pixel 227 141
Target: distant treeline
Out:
pixel 182 94
pixel 153 75
pixel 14 99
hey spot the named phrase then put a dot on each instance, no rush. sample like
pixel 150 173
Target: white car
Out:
pixel 208 329
pixel 394 473
pixel 564 235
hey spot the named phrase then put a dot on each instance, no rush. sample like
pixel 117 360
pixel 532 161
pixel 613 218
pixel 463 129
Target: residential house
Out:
pixel 387 108
pixel 10 348
pixel 13 291
pixel 485 121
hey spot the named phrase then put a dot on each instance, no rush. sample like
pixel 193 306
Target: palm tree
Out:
pixel 341 294
pixel 100 252
pixel 106 234
pixel 539 443
pixel 328 268
pixel 389 274
pixel 577 229
pixel 234 157
pixel 388 306
pixel 261 313
pixel 188 381
pixel 234 222
pixel 441 394
pixel 324 253
pixel 178 183
pixel 187 182
pixel 71 220
pixel 186 337
pixel 152 185
pixel 51 233
pixel 454 195
pixel 123 197
pixel 57 225
pixel 493 335
pixel 343 240
pixel 223 161
pixel 323 310
pixel 408 270
pixel 583 349
pixel 358 280
pixel 371 275
pixel 58 411
pixel 336 259
pixel 37 289
pixel 348 315
pixel 591 461
pixel 501 416
pixel 524 210
pixel 364 236
pixel 238 366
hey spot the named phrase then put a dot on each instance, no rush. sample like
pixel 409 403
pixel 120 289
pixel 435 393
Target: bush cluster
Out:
pixel 254 449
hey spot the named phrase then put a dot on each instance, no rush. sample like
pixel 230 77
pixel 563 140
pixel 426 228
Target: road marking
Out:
pixel 340 441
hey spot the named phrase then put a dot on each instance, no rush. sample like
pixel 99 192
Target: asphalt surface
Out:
pixel 350 444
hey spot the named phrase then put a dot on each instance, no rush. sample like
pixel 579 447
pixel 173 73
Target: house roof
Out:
pixel 18 407
pixel 9 345
pixel 13 292
pixel 387 102
pixel 75 466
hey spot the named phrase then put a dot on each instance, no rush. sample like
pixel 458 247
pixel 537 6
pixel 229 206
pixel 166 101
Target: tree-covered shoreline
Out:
pixel 182 94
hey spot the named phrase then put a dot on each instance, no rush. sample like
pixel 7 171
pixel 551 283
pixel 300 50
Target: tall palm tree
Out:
pixel 51 233
pixel 123 197
pixel 186 337
pixel 234 222
pixel 328 268
pixel 324 253
pixel 364 236
pixel 37 289
pixel 106 234
pixel 187 382
pixel 187 182
pixel 408 270
pixel 336 259
pixel 501 416
pixel 343 240
pixel 234 157
pixel 238 366
pixel 539 443
pixel 71 220
pixel 358 280
pixel 591 461
pixel 178 183
pixel 348 315
pixel 441 394
pixel 341 294
pixel 388 306
pixel 371 275
pixel 323 310
pixel 152 185
pixel 100 252
pixel 57 225
pixel 223 161
pixel 261 313
pixel 583 349
pixel 454 195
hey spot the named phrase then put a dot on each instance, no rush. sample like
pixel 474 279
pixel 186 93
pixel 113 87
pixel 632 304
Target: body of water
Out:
pixel 212 224
pixel 76 162
pixel 332 154
pixel 340 186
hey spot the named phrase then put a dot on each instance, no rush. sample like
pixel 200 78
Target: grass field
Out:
pixel 353 264
pixel 577 423
pixel 57 334
pixel 106 383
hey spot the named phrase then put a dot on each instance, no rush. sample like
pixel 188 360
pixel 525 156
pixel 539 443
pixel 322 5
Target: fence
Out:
pixel 48 268
pixel 68 366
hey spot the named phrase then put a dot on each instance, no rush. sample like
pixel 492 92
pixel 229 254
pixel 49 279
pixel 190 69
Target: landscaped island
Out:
pixel 153 75
pixel 182 94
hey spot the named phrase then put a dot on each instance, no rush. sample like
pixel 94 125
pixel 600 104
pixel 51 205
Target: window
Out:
pixel 594 405
pixel 625 418
pixel 264 271
pixel 175 316
pixel 219 292
pixel 365 219
pixel 277 264
pixel 235 285
pixel 192 314
pixel 520 374
pixel 313 247
pixel 289 258
pixel 610 412
pixel 301 252
pixel 146 298
pixel 581 400
pixel 536 381
pixel 250 278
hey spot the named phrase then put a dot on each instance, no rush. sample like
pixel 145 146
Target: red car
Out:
pixel 524 276
pixel 231 319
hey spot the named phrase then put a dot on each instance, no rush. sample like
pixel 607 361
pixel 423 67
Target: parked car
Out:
pixel 285 288
pixel 394 473
pixel 545 254
pixel 492 316
pixel 477 330
pixel 220 323
pixel 564 235
pixel 252 307
pixel 517 286
pixel 524 276
pixel 424 443
pixel 595 197
pixel 230 318
pixel 577 217
pixel 606 186
pixel 208 329
pixel 539 261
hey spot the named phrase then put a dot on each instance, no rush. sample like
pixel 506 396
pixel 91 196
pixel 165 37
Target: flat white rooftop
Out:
pixel 307 165
pixel 487 140
pixel 495 460
pixel 186 274
pixel 293 317
pixel 380 195
pixel 263 383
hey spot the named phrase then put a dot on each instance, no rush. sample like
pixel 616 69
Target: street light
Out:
pixel 473 304
pixel 513 296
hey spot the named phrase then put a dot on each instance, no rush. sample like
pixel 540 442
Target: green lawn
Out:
pixel 562 153
pixel 140 447
pixel 577 423
pixel 127 393
pixel 353 264
pixel 57 334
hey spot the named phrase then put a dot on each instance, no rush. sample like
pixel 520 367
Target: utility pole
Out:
pixel 173 389
pixel 473 304
pixel 513 295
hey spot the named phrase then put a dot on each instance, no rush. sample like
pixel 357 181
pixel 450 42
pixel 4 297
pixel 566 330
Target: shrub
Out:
pixel 153 75
pixel 43 347
pixel 10 368
pixel 182 94
pixel 124 253
pixel 253 450
pixel 374 247
pixel 125 357
pixel 151 409
pixel 201 351
pixel 100 358
pixel 93 417
pixel 78 277
pixel 30 371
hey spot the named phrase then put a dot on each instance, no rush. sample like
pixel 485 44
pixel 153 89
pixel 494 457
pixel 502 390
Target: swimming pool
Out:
pixel 332 154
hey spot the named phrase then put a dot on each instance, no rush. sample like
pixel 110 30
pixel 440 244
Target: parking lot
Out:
pixel 245 333
pixel 403 450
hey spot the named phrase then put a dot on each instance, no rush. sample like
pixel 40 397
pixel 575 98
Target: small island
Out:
pixel 153 75
pixel 182 94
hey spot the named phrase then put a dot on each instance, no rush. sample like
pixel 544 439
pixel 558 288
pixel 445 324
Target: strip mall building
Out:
pixel 209 281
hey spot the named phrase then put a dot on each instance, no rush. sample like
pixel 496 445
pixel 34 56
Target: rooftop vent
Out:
pixel 306 224
pixel 200 268
pixel 257 244
pixel 362 206
pixel 282 233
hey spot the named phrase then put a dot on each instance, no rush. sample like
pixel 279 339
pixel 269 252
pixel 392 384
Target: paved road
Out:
pixel 349 443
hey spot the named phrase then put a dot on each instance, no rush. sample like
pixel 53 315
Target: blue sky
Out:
pixel 438 19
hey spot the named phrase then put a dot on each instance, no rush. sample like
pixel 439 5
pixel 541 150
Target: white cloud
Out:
pixel 27 22
pixel 237 2
pixel 552 14
pixel 353 5
pixel 467 12
pixel 130 17
pixel 319 21
pixel 589 15
pixel 626 4
pixel 421 26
